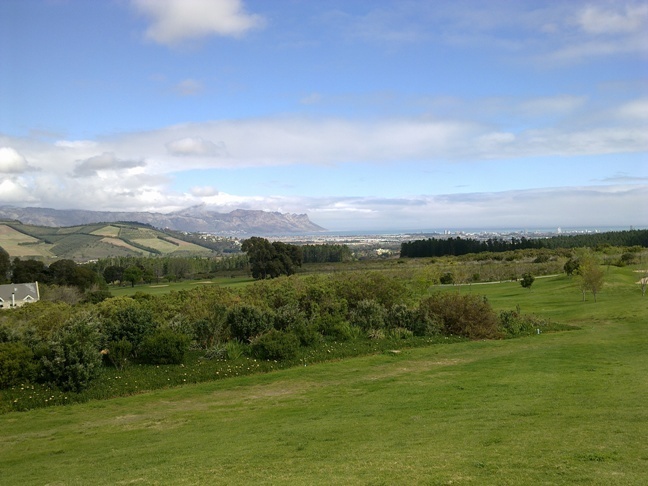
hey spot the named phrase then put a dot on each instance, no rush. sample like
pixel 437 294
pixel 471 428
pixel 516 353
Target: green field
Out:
pixel 554 408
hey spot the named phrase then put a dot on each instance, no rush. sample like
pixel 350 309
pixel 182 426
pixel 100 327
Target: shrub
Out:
pixel 468 315
pixel 527 280
pixel 72 359
pixel 334 326
pixel 96 296
pixel 305 332
pixel 118 352
pixel 368 314
pixel 125 318
pixel 289 316
pixel 399 315
pixel 231 350
pixel 205 332
pixel 165 346
pixel 447 278
pixel 246 321
pixel 399 333
pixel 16 364
pixel 8 334
pixel 275 344
pixel 514 324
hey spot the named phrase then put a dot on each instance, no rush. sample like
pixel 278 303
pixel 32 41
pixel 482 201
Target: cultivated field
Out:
pixel 18 244
pixel 554 408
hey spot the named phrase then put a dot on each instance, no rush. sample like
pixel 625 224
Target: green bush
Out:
pixel 514 324
pixel 118 352
pixel 335 327
pixel 125 318
pixel 399 315
pixel 205 332
pixel 288 316
pixel 247 321
pixel 368 314
pixel 165 346
pixel 464 315
pixel 72 359
pixel 276 345
pixel 16 364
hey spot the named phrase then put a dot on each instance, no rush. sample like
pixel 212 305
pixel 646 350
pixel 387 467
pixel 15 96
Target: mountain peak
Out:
pixel 192 219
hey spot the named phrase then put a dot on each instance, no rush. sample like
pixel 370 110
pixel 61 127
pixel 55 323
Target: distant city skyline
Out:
pixel 365 115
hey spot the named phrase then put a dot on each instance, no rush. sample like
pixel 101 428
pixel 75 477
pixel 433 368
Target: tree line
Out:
pixel 436 247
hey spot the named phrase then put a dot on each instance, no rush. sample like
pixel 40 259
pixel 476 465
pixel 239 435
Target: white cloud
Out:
pixel 12 162
pixel 106 161
pixel 75 144
pixel 634 110
pixel 203 191
pixel 625 19
pixel 189 87
pixel 195 146
pixel 14 192
pixel 175 21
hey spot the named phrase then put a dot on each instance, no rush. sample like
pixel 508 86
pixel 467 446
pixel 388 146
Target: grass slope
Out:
pixel 90 242
pixel 559 408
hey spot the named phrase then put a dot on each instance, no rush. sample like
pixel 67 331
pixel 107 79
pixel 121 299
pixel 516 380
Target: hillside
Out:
pixel 194 219
pixel 90 242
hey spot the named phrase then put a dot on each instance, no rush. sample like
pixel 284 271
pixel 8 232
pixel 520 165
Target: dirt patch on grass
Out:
pixel 406 367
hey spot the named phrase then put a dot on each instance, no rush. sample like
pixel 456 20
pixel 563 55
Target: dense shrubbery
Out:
pixel 66 346
pixel 278 345
pixel 72 358
pixel 465 315
pixel 16 364
pixel 163 347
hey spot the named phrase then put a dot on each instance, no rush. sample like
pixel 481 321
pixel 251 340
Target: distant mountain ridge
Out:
pixel 192 219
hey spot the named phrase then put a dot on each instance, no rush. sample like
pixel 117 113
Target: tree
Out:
pixel 270 260
pixel 571 266
pixel 590 277
pixel 62 272
pixel 527 280
pixel 5 265
pixel 133 274
pixel 24 271
pixel 113 273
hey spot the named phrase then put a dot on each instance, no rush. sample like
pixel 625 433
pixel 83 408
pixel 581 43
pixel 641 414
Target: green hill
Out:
pixel 91 242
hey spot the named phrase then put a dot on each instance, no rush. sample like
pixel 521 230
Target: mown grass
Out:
pixel 554 408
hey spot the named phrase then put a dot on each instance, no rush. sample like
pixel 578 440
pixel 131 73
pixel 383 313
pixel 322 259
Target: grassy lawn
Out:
pixel 555 408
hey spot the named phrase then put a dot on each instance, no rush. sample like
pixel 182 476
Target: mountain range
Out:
pixel 193 219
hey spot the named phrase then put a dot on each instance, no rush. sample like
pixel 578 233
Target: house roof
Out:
pixel 22 291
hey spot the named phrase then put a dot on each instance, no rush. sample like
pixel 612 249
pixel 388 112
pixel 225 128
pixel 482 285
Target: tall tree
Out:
pixel 590 277
pixel 24 271
pixel 269 260
pixel 5 266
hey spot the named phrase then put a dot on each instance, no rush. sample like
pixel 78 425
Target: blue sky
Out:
pixel 362 114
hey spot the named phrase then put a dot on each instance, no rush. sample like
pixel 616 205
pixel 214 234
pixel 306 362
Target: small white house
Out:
pixel 17 295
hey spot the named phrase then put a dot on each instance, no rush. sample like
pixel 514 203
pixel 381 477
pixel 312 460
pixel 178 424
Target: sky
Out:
pixel 363 114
